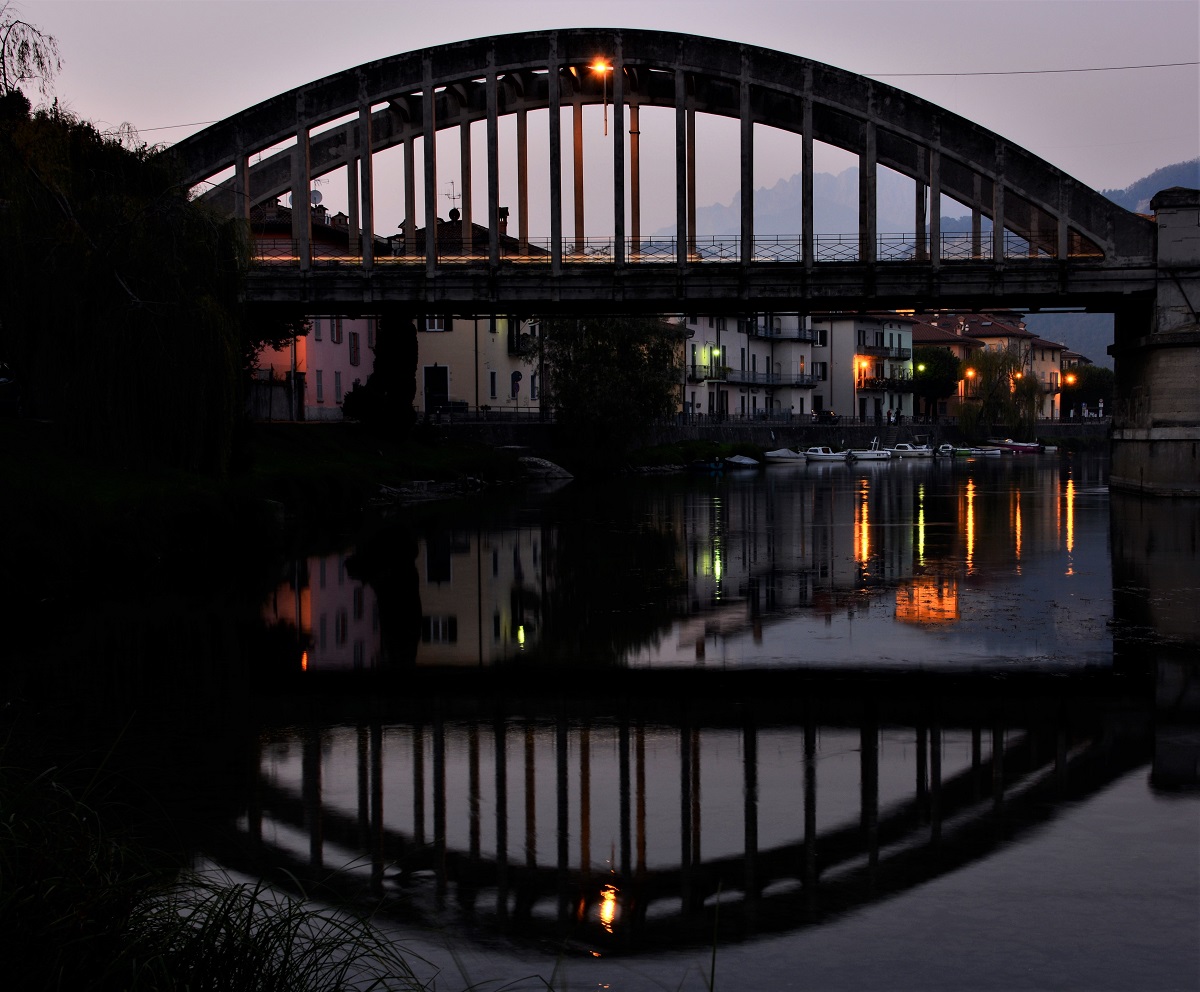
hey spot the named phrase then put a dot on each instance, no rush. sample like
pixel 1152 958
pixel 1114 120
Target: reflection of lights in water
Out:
pixel 970 523
pixel 608 907
pixel 928 600
pixel 921 524
pixel 863 524
pixel 521 635
pixel 1017 526
pixel 1070 524
pixel 304 661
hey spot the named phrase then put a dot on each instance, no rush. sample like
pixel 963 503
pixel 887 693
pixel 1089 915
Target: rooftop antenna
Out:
pixel 452 196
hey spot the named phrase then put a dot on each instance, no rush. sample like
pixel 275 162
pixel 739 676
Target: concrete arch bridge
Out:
pixel 1039 238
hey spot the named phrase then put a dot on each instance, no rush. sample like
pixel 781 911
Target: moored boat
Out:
pixel 1008 444
pixel 823 453
pixel 784 455
pixel 871 454
pixel 905 450
pixel 741 461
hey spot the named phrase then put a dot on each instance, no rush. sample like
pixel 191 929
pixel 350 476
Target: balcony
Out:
pixel 884 384
pixel 790 334
pixel 883 351
pixel 706 373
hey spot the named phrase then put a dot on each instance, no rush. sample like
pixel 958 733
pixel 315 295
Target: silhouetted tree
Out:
pixel 1090 385
pixel 120 298
pixel 385 400
pixel 936 375
pixel 609 378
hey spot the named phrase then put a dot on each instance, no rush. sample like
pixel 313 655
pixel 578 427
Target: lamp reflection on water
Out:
pixel 608 907
pixel 970 515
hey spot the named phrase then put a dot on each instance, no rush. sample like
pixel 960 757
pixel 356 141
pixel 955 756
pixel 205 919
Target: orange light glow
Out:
pixel 928 599
pixel 608 907
pixel 304 662
pixel 970 373
pixel 600 66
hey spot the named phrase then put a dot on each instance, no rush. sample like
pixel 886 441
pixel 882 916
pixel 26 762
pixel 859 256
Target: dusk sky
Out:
pixel 169 66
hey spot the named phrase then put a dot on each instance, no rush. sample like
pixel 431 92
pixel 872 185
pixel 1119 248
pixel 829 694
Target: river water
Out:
pixel 927 724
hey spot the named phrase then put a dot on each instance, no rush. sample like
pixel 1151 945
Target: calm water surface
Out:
pixel 918 725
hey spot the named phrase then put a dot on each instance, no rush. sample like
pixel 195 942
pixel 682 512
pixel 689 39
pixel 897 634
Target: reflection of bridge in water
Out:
pixel 736 807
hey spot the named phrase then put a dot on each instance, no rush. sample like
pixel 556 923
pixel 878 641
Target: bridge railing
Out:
pixel 828 249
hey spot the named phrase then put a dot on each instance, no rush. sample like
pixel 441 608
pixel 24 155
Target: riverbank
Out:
pixel 79 526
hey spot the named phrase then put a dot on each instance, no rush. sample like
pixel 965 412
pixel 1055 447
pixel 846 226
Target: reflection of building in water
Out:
pixel 753 550
pixel 481 594
pixel 928 599
pixel 336 616
pixel 481 602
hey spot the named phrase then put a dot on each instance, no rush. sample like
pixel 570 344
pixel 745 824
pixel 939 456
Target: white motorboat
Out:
pixel 906 450
pixel 823 453
pixel 871 454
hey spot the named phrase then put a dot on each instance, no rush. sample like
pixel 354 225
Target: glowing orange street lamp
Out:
pixel 602 67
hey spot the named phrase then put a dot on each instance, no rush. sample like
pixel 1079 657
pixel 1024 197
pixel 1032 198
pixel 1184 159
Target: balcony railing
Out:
pixel 880 384
pixel 783 334
pixel 885 351
pixel 743 377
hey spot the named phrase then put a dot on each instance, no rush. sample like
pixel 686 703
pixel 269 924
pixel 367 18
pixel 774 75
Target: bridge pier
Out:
pixel 1156 423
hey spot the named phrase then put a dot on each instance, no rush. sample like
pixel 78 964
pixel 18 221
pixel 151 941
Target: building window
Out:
pixel 492 384
pixel 820 337
pixel 533 386
pixel 316 328
pixel 320 386
pixel 337 387
pixel 820 371
pixel 439 630
pixel 370 332
pixel 335 330
pixel 434 324
pixel 355 356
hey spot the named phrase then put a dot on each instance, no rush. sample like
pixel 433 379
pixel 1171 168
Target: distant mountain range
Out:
pixel 778 211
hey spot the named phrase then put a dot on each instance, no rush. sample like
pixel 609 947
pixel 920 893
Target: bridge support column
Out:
pixel 1156 424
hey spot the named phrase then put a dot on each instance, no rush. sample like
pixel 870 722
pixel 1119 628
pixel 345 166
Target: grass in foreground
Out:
pixel 81 911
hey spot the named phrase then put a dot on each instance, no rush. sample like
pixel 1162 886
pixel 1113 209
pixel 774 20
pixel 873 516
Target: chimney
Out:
pixel 503 212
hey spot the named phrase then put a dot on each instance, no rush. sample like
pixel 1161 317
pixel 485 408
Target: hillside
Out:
pixel 778 209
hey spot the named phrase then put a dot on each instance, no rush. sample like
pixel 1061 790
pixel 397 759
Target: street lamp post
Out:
pixel 601 66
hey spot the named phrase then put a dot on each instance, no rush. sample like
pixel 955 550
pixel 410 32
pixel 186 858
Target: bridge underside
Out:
pixel 649 289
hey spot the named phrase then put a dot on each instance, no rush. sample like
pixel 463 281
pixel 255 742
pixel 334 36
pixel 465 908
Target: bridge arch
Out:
pixel 341 121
